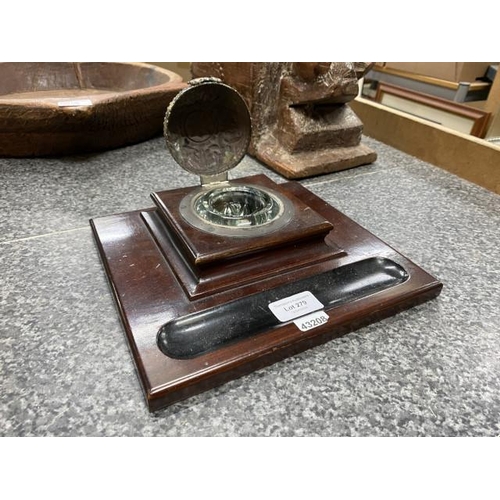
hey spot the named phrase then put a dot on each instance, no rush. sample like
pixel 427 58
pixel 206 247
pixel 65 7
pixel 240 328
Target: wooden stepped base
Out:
pixel 216 312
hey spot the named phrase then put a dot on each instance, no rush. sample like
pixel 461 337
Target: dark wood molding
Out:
pixel 151 289
pixel 478 117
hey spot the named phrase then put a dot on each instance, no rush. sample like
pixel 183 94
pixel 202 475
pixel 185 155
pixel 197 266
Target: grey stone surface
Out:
pixel 65 368
pixel 63 193
pixel 41 196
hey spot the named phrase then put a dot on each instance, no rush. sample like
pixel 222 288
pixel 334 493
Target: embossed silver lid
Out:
pixel 207 127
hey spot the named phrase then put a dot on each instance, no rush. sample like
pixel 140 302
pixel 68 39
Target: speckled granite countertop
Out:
pixel 65 368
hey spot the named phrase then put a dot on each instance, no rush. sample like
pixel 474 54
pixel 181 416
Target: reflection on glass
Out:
pixel 237 206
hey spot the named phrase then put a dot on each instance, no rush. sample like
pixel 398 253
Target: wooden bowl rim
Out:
pixel 174 80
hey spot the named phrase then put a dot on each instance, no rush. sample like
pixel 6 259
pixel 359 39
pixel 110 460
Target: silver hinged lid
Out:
pixel 207 127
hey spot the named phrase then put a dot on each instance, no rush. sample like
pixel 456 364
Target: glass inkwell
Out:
pixel 207 130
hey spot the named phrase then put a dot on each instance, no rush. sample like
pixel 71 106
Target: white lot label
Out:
pixel 311 321
pixel 295 306
pixel 74 103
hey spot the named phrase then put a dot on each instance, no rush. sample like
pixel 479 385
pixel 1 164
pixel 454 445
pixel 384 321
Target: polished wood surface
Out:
pixel 201 281
pixel 65 108
pixel 150 290
pixel 204 248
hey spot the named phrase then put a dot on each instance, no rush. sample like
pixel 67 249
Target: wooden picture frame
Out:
pixel 435 109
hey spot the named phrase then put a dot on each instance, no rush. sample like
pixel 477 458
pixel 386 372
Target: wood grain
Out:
pixel 468 157
pixel 478 117
pixel 127 105
pixel 301 125
pixel 149 292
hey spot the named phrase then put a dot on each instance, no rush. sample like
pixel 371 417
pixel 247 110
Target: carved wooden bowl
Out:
pixel 51 109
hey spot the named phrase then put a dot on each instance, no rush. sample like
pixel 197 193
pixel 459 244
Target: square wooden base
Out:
pixel 153 287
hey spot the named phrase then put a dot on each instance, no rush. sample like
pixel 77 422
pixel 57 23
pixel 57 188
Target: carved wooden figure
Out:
pixel 302 125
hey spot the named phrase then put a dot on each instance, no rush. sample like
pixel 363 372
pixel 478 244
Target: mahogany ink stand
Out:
pixel 218 280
